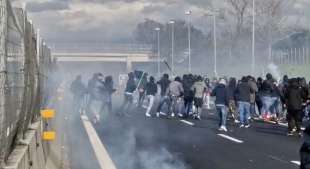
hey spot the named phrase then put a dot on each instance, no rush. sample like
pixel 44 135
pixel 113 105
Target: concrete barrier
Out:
pixel 32 152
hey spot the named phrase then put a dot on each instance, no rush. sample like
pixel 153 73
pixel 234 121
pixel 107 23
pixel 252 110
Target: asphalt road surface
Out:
pixel 137 142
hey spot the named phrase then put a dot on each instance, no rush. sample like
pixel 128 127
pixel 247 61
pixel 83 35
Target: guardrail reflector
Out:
pixel 49 136
pixel 48 113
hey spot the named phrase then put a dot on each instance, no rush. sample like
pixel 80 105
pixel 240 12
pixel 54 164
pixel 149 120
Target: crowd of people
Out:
pixel 244 99
pixel 240 99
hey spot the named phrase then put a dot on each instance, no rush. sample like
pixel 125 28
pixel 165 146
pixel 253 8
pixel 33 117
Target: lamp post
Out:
pixel 172 45
pixel 189 13
pixel 213 14
pixel 253 39
pixel 158 50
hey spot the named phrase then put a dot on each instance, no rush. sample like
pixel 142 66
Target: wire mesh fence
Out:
pixel 24 67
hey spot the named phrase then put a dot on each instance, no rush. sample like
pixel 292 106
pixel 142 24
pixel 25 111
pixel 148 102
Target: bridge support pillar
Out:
pixel 129 65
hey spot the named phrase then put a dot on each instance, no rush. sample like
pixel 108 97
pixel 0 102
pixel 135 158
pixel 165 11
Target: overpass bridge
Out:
pixel 117 53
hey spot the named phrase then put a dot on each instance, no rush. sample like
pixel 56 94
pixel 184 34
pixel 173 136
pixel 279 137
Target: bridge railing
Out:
pixel 102 48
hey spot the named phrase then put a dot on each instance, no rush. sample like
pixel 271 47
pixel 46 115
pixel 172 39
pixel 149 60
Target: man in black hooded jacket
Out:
pixel 294 97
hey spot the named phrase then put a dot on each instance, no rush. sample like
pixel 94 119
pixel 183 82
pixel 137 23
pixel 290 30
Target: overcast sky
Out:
pixel 110 20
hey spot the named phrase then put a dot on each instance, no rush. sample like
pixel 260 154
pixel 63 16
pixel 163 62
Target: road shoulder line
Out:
pixel 104 160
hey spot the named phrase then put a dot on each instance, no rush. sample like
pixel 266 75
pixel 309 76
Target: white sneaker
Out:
pixel 147 114
pixel 180 115
pixel 237 121
pixel 198 117
pixel 162 113
pixel 157 114
pixel 172 115
pixel 241 126
pixel 224 128
pixel 247 126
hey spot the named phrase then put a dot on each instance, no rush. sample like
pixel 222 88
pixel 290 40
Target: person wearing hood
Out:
pixel 220 92
pixel 128 96
pixel 294 98
pixel 243 96
pixel 94 88
pixel 151 90
pixel 163 83
pixel 107 91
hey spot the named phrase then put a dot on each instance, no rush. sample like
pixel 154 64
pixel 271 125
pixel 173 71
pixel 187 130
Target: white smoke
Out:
pixel 274 70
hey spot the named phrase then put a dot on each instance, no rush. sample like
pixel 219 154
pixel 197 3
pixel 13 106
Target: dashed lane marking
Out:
pixel 104 160
pixel 187 122
pixel 230 138
pixel 296 162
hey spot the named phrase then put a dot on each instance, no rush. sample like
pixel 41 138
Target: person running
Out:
pixel 176 91
pixel 141 89
pixel 164 83
pixel 243 96
pixel 151 90
pixel 128 96
pixel 107 91
pixel 294 97
pixel 220 92
pixel 199 88
pixel 79 91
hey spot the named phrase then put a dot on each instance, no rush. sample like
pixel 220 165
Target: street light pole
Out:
pixel 189 41
pixel 172 45
pixel 253 40
pixel 158 51
pixel 215 44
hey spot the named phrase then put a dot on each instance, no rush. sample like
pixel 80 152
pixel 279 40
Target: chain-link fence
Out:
pixel 24 67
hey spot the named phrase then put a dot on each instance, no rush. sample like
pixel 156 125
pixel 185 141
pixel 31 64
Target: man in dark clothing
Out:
pixel 164 83
pixel 269 97
pixel 188 94
pixel 78 90
pixel 258 99
pixel 294 97
pixel 142 88
pixel 232 107
pixel 107 92
pixel 221 102
pixel 128 96
pixel 94 88
pixel 243 96
pixel 151 90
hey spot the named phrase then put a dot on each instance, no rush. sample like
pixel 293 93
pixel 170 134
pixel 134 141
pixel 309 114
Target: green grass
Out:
pixel 296 70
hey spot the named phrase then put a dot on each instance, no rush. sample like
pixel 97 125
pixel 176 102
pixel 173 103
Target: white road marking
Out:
pixel 230 138
pixel 187 122
pixel 104 160
pixel 296 162
pixel 283 124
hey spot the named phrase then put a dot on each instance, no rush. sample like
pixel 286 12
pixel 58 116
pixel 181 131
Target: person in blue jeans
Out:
pixel 243 96
pixel 220 92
